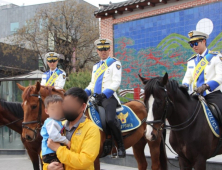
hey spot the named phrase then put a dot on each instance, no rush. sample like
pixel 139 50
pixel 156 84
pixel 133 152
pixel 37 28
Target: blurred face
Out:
pixel 72 108
pixel 103 53
pixel 54 110
pixel 52 64
pixel 198 46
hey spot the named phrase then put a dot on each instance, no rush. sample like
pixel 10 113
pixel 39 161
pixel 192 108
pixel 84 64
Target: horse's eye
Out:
pixel 33 107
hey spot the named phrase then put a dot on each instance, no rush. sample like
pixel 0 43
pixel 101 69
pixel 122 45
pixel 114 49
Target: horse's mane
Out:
pixel 14 107
pixel 154 83
pixel 47 89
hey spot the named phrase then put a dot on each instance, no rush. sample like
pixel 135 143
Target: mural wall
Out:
pixel 155 45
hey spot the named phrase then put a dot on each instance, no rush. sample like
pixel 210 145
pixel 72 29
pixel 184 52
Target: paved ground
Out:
pixel 22 162
pixel 170 154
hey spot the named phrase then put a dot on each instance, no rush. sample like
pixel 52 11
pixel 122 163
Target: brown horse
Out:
pixel 11 115
pixel 34 116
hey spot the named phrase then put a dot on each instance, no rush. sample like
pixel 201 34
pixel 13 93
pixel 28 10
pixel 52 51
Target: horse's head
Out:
pixel 156 101
pixel 34 110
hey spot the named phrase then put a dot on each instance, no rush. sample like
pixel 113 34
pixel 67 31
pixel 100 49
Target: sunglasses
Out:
pixel 103 49
pixel 195 43
pixel 52 61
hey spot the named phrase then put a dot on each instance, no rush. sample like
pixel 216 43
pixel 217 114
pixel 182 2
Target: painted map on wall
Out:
pixel 155 45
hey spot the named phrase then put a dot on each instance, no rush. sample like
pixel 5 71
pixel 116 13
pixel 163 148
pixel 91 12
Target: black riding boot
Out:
pixel 119 139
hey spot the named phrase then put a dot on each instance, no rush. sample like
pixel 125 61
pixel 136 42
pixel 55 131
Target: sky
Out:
pixel 31 2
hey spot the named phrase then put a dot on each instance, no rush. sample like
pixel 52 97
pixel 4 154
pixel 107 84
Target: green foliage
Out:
pixel 79 79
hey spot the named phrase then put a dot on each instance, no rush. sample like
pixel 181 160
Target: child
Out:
pixel 52 127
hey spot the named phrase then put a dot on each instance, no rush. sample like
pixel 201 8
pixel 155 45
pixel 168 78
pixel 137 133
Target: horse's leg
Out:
pixel 97 164
pixel 155 154
pixel 163 155
pixel 32 154
pixel 34 158
pixel 138 150
pixel 184 164
pixel 200 164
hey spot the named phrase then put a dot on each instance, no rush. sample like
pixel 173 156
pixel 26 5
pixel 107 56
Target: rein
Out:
pixel 38 121
pixel 164 116
pixel 11 122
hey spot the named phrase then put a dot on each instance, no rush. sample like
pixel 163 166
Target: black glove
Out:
pixel 100 98
pixel 184 86
pixel 202 88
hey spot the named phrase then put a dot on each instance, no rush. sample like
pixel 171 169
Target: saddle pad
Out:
pixel 214 126
pixel 127 118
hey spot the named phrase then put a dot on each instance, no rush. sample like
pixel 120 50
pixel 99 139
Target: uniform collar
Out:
pixel 53 70
pixel 104 60
pixel 204 53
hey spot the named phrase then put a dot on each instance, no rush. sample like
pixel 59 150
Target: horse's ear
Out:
pixel 22 88
pixel 37 87
pixel 143 80
pixel 164 79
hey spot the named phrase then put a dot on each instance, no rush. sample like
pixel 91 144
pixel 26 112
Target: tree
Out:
pixel 80 79
pixel 66 27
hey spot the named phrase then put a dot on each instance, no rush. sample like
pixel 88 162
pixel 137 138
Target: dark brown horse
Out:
pixel 11 115
pixel 190 136
pixel 33 97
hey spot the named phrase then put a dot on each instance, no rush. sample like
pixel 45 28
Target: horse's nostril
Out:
pixel 153 136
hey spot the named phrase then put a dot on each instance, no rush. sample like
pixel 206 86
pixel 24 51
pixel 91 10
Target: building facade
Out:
pixel 14 17
pixel 150 37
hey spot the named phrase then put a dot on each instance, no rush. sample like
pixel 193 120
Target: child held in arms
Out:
pixel 52 127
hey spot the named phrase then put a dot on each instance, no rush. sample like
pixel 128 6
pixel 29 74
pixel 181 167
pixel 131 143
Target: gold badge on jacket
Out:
pixel 118 66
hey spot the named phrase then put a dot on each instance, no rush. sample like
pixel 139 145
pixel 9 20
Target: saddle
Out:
pixel 126 120
pixel 216 112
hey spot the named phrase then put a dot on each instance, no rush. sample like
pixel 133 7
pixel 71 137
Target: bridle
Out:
pixel 39 119
pixel 162 121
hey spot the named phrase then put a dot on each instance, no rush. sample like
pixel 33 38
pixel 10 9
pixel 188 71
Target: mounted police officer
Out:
pixel 54 77
pixel 106 79
pixel 204 70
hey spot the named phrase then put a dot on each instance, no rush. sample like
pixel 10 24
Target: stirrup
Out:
pixel 114 156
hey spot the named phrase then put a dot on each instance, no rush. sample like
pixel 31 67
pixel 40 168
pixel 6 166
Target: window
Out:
pixel 13 27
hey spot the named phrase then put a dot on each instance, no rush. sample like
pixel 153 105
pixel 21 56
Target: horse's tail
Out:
pixel 163 155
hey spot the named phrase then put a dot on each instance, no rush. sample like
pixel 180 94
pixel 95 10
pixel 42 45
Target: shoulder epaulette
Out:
pixel 214 52
pixel 115 58
pixel 192 57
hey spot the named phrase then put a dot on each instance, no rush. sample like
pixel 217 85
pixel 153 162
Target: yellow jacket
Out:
pixel 85 145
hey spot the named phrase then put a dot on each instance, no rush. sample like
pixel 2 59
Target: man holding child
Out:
pixel 84 135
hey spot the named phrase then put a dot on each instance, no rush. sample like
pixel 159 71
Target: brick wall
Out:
pixel 107 23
